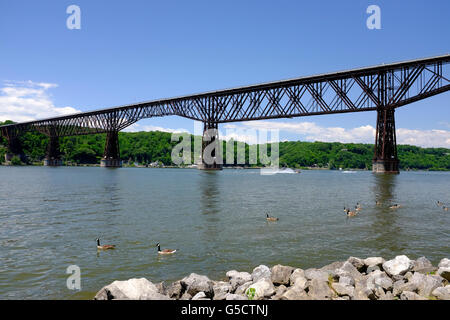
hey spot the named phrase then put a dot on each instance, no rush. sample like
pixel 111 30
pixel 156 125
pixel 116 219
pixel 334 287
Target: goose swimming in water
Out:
pixel 350 213
pixel 378 203
pixel 165 251
pixel 439 203
pixel 395 206
pixel 445 208
pixel 105 246
pixel 269 218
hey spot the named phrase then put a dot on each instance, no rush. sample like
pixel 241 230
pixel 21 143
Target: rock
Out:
pixel 297 274
pixel 357 263
pixel 238 278
pixel 133 289
pixel 398 266
pixel 372 269
pixel 200 296
pixel 444 272
pixel 332 267
pixel 444 263
pixel 232 296
pixel 312 273
pixel 346 281
pixel 442 293
pixel 221 289
pixel 281 274
pixel 195 283
pixel 263 289
pixel 186 296
pixel 261 272
pixel 408 295
pixel 343 290
pixel 362 290
pixel 279 292
pixel 241 289
pixel 422 263
pixel 295 293
pixel 425 284
pixel 320 290
pixel 175 290
pixel 348 269
pixel 379 279
pixel 374 261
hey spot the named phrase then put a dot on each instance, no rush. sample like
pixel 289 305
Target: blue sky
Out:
pixel 131 51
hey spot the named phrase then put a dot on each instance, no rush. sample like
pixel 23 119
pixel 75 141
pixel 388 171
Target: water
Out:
pixel 50 218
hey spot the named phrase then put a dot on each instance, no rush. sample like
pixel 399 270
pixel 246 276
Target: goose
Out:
pixel 105 246
pixel 350 213
pixel 378 203
pixel 165 251
pixel 395 206
pixel 445 208
pixel 269 218
pixel 358 207
pixel 439 203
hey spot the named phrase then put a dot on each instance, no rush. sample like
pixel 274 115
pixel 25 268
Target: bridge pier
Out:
pixel 111 156
pixel 385 158
pixel 53 155
pixel 14 148
pixel 211 149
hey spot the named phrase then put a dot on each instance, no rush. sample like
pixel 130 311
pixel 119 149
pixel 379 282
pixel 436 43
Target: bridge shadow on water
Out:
pixel 386 235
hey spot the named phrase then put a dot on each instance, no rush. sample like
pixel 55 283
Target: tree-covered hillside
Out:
pixel 147 147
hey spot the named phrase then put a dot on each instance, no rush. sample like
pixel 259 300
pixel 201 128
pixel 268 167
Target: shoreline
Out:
pixel 373 278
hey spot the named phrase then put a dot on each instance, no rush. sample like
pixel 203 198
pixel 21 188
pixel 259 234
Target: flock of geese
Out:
pixel 349 213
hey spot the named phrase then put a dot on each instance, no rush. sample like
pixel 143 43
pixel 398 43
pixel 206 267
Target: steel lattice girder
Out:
pixel 347 91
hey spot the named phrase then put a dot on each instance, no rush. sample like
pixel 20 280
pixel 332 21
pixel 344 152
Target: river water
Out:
pixel 50 218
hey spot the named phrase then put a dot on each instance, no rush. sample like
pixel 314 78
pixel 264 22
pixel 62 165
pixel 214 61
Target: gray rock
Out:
pixel 320 290
pixel 357 263
pixel 408 295
pixel 386 296
pixel 343 290
pixel 175 290
pixel 372 269
pixel 442 293
pixel 241 289
pixel 425 284
pixel 186 296
pixel 161 287
pixel 263 289
pixel 374 261
pixel 238 278
pixel 312 273
pixel 195 283
pixel 422 263
pixel 332 267
pixel 444 263
pixel 362 290
pixel 297 274
pixel 379 279
pixel 261 272
pixel 281 274
pixel 295 293
pixel 279 291
pixel 348 269
pixel 133 289
pixel 398 266
pixel 444 272
pixel 200 296
pixel 346 281
pixel 232 296
pixel 221 289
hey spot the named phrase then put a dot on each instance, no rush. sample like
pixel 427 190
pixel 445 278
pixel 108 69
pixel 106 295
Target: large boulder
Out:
pixel 374 261
pixel 242 288
pixel 263 288
pixel 195 283
pixel 261 272
pixel 442 293
pixel 133 289
pixel 408 295
pixel 398 266
pixel 279 291
pixel 175 290
pixel 281 274
pixel 425 284
pixel 200 296
pixel 444 263
pixel 316 274
pixel 237 279
pixel 295 292
pixel 320 290
pixel 357 263
pixel 221 289
pixel 349 270
pixel 297 274
pixel 380 279
pixel 343 290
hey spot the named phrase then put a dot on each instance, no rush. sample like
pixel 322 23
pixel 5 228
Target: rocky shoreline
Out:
pixel 373 278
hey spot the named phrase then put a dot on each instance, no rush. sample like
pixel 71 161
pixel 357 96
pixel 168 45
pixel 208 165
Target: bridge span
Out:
pixel 381 88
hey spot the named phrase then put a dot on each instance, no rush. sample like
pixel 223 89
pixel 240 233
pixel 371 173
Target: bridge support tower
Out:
pixel 111 156
pixel 14 146
pixel 385 158
pixel 53 155
pixel 211 149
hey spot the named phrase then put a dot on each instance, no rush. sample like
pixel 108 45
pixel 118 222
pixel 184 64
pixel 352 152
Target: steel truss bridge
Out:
pixel 381 88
